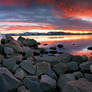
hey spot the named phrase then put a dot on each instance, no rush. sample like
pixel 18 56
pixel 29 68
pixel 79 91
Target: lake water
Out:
pixel 74 44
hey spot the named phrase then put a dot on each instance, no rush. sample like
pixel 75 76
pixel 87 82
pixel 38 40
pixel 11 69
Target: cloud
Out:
pixel 74 15
pixel 74 8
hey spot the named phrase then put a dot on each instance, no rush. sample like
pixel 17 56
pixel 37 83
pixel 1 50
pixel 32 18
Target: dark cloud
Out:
pixel 59 14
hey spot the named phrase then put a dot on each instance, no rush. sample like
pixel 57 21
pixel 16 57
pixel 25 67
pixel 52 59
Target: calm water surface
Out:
pixel 74 44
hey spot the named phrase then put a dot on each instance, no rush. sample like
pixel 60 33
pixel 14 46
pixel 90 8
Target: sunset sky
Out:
pixel 17 16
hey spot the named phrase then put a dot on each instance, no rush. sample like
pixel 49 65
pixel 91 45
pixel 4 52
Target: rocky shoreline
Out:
pixel 22 70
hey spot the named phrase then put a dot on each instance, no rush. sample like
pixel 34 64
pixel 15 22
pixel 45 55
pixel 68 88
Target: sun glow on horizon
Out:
pixel 21 27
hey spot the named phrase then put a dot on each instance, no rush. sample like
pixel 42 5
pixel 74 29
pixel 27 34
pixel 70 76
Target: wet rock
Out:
pixel 45 44
pixel 65 57
pixel 42 68
pixel 8 51
pixel 50 59
pixel 78 75
pixel 1 49
pixel 15 68
pixel 16 46
pixel 27 52
pixel 1 58
pixel 20 73
pixel 52 74
pixel 48 80
pixel 62 81
pixel 53 48
pixel 69 76
pixel 84 58
pixel 32 85
pixel 60 46
pixel 42 50
pixel 7 84
pixel 38 43
pixel 21 39
pixel 77 59
pixel 88 77
pixel 53 52
pixel 22 89
pixel 60 68
pixel 47 88
pixel 30 43
pixel 9 63
pixel 90 59
pixel 72 66
pixel 9 38
pixel 89 48
pixel 36 53
pixel 85 66
pixel 91 68
pixel 4 41
pixel 4 70
pixel 28 67
pixel 55 59
pixel 81 85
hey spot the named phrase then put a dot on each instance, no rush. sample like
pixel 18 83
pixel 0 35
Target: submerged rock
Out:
pixel 89 48
pixel 60 46
pixel 53 48
pixel 53 52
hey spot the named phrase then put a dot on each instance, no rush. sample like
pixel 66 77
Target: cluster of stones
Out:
pixel 21 71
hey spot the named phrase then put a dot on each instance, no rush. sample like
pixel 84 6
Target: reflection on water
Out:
pixel 74 44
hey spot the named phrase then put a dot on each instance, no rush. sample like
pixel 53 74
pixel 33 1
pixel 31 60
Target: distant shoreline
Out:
pixel 43 35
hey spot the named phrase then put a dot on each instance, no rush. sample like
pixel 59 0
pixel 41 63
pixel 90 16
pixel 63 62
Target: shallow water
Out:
pixel 74 44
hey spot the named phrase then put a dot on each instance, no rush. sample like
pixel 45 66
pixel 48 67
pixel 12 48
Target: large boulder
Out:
pixel 9 63
pixel 72 66
pixel 28 67
pixel 8 83
pixel 91 68
pixel 77 59
pixel 16 46
pixel 4 70
pixel 32 85
pixel 42 68
pixel 78 75
pixel 8 50
pixel 84 58
pixel 23 89
pixel 21 39
pixel 85 66
pixel 30 43
pixel 20 73
pixel 28 52
pixel 88 77
pixel 48 80
pixel 66 58
pixel 52 74
pixel 60 68
pixel 63 79
pixel 81 85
